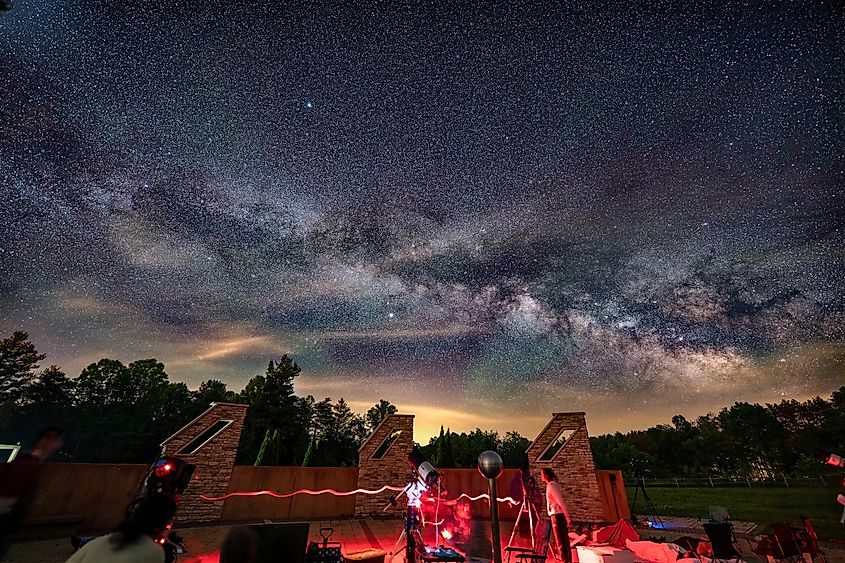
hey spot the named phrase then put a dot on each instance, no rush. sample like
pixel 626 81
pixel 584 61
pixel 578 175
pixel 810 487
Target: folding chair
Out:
pixel 785 545
pixel 721 541
pixel 541 550
pixel 719 514
pixel 811 545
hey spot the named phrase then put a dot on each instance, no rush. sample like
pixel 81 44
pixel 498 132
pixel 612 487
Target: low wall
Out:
pixel 87 496
pixel 92 497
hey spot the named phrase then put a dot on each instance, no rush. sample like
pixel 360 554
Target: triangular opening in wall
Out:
pixel 557 444
pixel 385 445
pixel 205 437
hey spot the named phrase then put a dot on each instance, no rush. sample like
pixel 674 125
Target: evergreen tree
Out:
pixel 438 453
pixel 274 405
pixel 18 362
pixel 449 456
pixel 379 412
pixel 269 452
pixel 309 453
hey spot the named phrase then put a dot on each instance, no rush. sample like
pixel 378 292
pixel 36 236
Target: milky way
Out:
pixel 483 214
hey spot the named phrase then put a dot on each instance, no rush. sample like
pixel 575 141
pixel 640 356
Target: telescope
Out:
pixel 168 476
pixel 425 477
pixel 423 467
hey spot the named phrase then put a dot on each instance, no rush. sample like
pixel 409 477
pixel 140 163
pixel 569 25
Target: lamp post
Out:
pixel 490 465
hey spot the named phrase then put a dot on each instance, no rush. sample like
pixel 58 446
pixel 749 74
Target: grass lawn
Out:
pixel 762 505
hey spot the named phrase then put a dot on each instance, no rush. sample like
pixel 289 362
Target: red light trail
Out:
pixel 303 492
pixel 348 493
pixel 451 502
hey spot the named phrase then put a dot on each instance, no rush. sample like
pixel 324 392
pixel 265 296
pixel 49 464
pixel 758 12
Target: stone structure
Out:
pixel 210 442
pixel 572 463
pixel 383 463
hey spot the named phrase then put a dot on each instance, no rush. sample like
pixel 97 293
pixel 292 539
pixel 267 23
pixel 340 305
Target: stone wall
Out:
pixel 214 461
pixel 392 469
pixel 573 465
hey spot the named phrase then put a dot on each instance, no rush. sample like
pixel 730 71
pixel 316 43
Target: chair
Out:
pixel 811 544
pixel 719 514
pixel 785 545
pixel 541 549
pixel 721 541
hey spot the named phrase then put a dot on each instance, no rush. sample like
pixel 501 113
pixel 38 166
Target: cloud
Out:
pixel 412 334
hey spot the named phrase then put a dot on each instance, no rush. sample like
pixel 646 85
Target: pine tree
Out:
pixel 269 452
pixel 449 460
pixel 18 362
pixel 439 449
pixel 306 461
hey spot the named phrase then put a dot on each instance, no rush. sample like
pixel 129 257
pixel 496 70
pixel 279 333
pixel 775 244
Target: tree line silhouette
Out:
pixel 746 440
pixel 120 413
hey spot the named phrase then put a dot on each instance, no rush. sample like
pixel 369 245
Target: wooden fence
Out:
pixel 92 497
pixel 749 482
pixel 287 480
pixel 88 496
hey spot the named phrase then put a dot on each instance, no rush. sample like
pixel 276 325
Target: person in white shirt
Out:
pixel 558 515
pixel 133 540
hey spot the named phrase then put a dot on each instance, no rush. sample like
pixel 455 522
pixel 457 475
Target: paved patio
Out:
pixel 694 525
pixel 203 542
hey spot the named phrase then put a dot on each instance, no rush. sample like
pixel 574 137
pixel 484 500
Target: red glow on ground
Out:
pixel 356 535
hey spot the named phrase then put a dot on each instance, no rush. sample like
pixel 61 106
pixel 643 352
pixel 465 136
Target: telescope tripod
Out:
pixel 654 517
pixel 410 534
pixel 533 516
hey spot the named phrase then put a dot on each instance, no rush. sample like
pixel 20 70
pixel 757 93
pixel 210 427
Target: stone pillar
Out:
pixel 214 456
pixel 573 465
pixel 391 469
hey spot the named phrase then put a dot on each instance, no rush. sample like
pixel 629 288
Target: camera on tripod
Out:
pixel 168 476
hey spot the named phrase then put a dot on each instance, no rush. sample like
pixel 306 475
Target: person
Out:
pixel 558 514
pixel 240 545
pixel 19 480
pixel 133 541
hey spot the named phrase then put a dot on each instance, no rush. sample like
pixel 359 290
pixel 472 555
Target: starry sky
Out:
pixel 482 212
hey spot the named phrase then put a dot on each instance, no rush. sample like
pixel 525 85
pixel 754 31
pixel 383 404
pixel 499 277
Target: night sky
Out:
pixel 482 213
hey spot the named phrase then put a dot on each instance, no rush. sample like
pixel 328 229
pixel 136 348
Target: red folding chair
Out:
pixel 810 545
pixel 785 546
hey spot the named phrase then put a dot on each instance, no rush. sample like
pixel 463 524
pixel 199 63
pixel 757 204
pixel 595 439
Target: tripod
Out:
pixel 410 535
pixel 652 512
pixel 533 516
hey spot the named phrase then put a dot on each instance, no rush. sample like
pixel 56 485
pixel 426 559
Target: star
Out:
pixel 537 211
